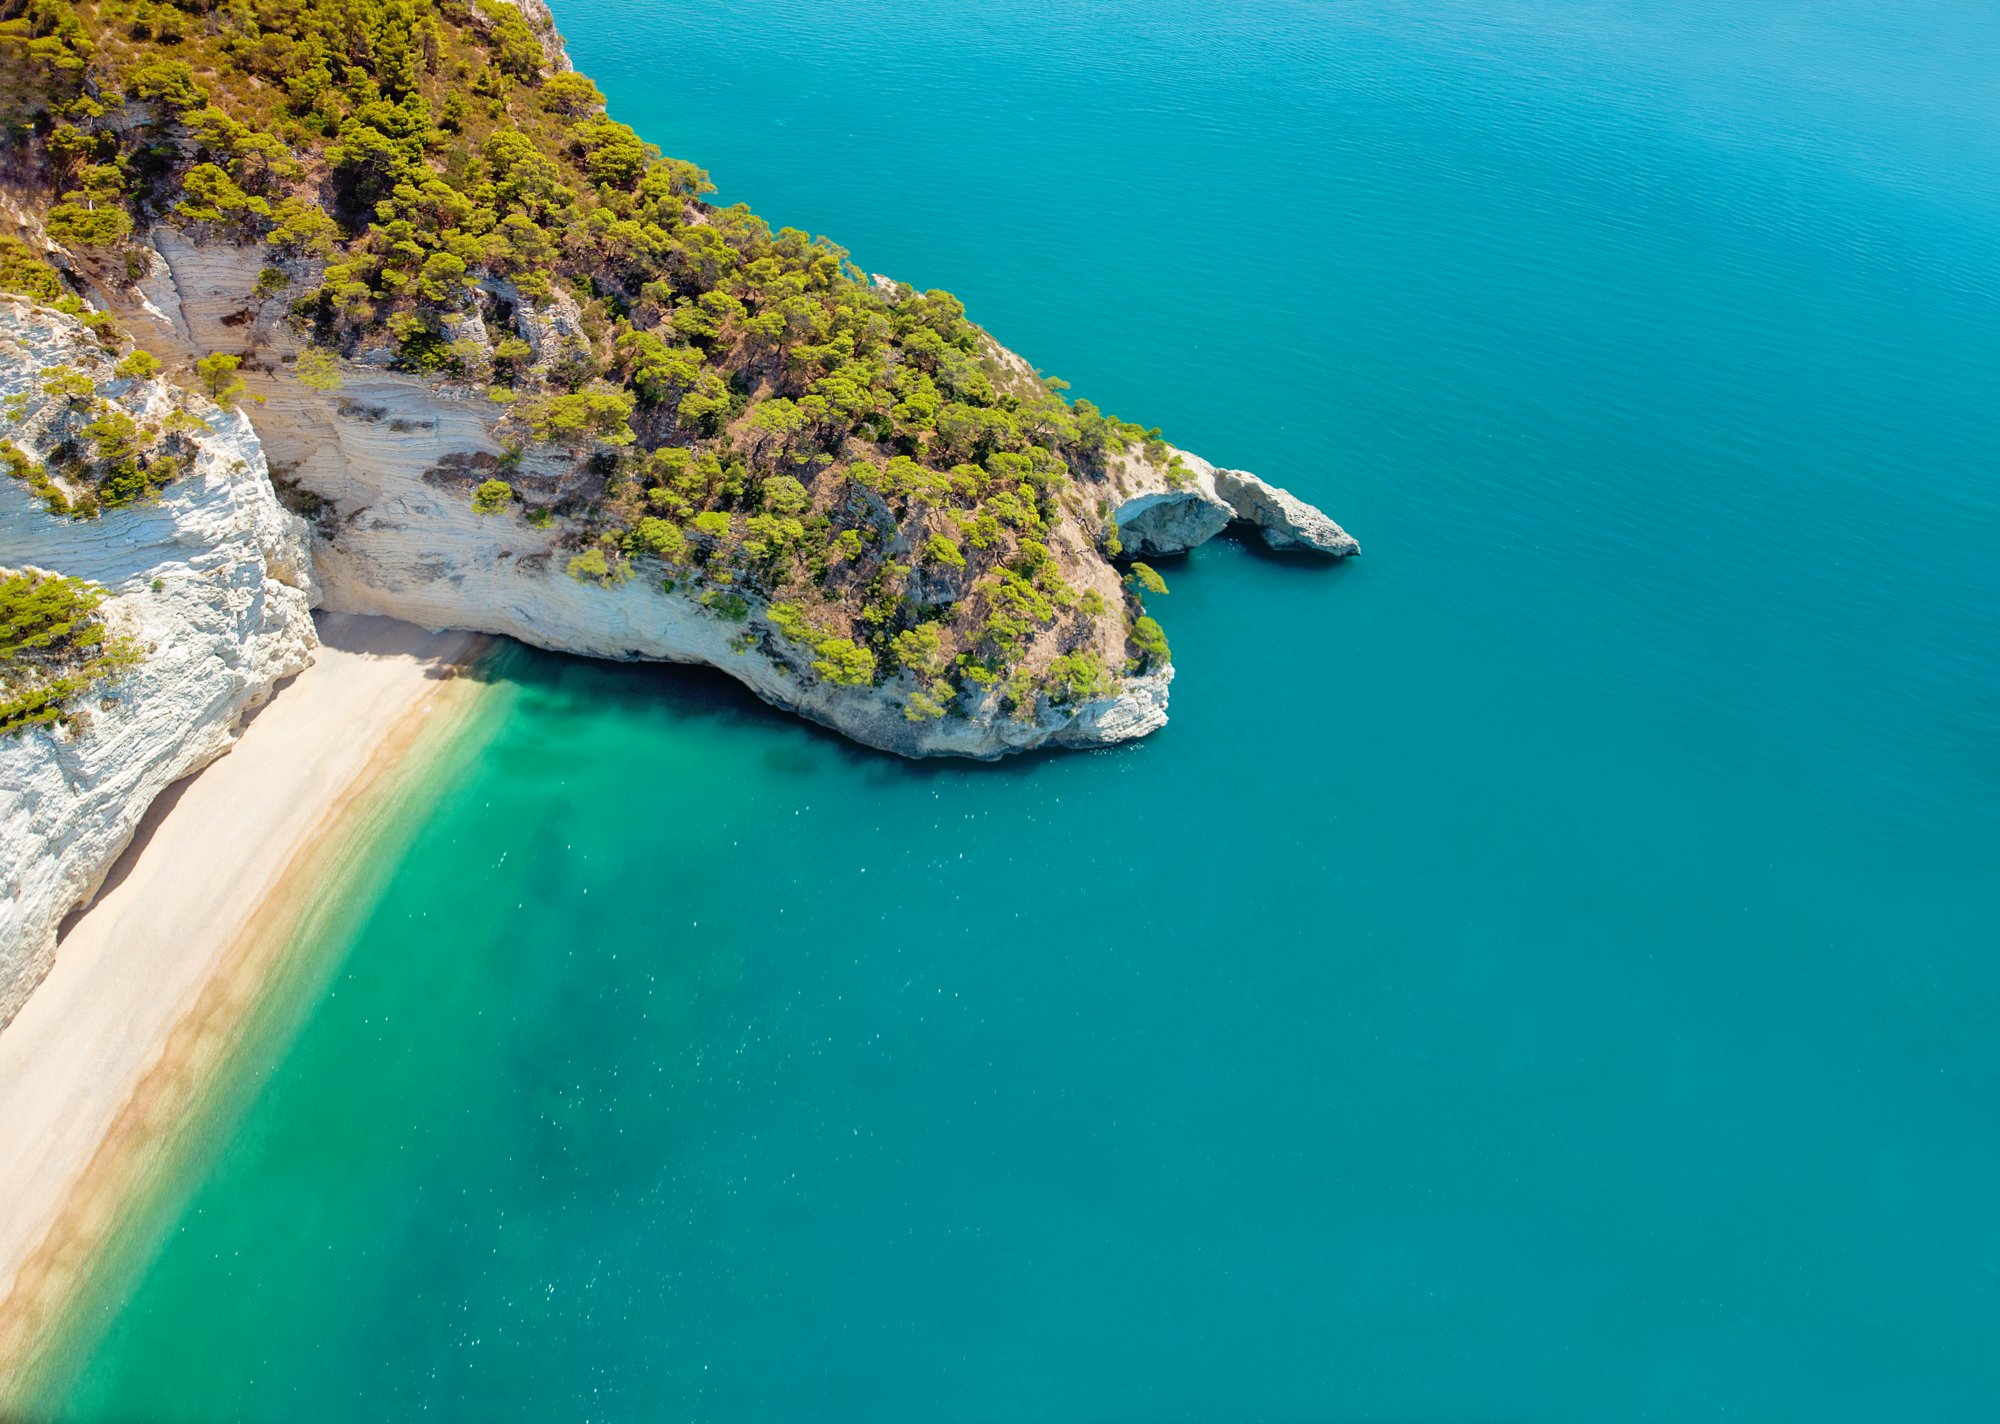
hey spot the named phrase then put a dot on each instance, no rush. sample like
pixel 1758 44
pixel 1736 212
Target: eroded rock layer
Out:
pixel 211 581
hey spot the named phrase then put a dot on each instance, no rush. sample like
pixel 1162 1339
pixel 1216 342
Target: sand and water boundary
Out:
pixel 160 980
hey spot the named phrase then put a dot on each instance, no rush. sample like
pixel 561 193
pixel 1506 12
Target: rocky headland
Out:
pixel 495 366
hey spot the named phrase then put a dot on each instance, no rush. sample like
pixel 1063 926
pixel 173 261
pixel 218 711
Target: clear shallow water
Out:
pixel 1544 971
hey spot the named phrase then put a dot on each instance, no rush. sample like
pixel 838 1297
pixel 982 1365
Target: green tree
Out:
pixel 581 417
pixel 509 352
pixel 942 552
pixel 515 47
pixel 166 81
pixel 217 374
pixel 662 538
pixel 53 646
pixel 318 369
pixel 1147 578
pixel 928 704
pixel 785 495
pixel 1151 642
pixel 492 497
pixel 301 227
pixel 613 154
pixel 920 649
pixel 141 365
pixel 212 196
pixel 774 423
pixel 571 95
pixel 80 225
pixel 844 663
pixel 790 621
pixel 69 385
pixel 442 279
pixel 115 436
pixel 93 214
pixel 21 271
pixel 1079 677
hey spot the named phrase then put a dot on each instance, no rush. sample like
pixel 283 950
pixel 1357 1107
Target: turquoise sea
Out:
pixel 1546 971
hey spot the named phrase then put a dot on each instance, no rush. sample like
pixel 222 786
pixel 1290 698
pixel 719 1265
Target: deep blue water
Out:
pixel 1546 971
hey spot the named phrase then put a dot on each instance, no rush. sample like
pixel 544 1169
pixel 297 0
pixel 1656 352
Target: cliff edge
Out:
pixel 209 580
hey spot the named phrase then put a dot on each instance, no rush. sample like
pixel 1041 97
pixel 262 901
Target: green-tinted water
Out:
pixel 1545 970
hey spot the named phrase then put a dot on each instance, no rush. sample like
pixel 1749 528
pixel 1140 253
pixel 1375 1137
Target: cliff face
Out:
pixel 389 462
pixel 212 580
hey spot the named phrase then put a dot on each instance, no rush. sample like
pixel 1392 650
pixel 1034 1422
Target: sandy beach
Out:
pixel 151 979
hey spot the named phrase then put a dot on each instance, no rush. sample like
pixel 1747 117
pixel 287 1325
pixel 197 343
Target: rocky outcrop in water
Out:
pixel 1281 519
pixel 212 580
pixel 1169 507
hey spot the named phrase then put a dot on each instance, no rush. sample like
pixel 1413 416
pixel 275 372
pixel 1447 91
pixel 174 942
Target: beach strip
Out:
pixel 151 982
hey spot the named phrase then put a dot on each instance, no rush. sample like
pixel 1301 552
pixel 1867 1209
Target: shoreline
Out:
pixel 157 981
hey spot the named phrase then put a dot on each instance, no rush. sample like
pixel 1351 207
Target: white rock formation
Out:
pixel 212 580
pixel 1159 513
pixel 1169 508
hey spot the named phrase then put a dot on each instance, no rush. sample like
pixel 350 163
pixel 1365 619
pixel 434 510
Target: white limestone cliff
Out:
pixel 212 580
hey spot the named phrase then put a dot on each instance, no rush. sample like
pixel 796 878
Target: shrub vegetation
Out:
pixel 764 424
pixel 53 647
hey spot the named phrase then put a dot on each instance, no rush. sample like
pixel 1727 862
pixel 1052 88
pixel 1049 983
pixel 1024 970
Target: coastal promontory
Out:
pixel 371 305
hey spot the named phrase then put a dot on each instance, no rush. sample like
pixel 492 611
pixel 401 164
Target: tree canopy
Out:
pixel 761 420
